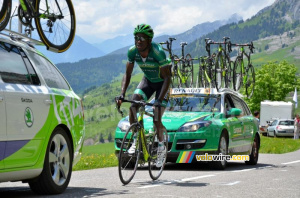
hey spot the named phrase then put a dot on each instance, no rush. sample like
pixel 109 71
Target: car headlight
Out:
pixel 124 125
pixel 193 126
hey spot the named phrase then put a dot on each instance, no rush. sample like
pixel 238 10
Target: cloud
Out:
pixel 104 19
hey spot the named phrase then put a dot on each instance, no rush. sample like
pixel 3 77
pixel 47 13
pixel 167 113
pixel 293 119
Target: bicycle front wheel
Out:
pixel 5 11
pixel 128 162
pixel 155 171
pixel 56 24
pixel 189 71
pixel 250 82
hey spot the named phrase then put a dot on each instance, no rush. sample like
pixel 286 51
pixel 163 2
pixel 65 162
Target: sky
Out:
pixel 98 20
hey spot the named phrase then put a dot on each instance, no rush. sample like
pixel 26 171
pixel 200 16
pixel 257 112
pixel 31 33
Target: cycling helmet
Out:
pixel 145 29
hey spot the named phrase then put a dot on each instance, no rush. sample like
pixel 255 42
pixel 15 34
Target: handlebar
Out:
pixel 141 103
pixel 250 45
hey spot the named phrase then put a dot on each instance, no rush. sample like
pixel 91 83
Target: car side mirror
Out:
pixel 235 112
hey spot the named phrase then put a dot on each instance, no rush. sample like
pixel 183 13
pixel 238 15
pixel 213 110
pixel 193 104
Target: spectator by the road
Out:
pixel 297 127
pixel 256 115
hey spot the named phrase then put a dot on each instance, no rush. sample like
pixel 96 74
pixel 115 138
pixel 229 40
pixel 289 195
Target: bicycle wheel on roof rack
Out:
pixel 189 71
pixel 5 11
pixel 56 24
pixel 250 82
pixel 218 71
pixel 175 77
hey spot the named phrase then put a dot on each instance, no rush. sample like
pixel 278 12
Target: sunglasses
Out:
pixel 140 38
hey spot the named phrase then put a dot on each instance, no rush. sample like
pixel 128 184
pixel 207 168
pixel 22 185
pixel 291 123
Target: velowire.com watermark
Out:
pixel 222 157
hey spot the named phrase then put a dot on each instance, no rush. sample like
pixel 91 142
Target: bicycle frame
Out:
pixel 141 133
pixel 27 6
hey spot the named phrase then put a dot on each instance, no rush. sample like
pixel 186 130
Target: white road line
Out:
pixel 291 162
pixel 177 181
pixel 244 170
pixel 232 183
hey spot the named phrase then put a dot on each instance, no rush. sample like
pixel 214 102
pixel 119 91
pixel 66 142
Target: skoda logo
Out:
pixel 28 116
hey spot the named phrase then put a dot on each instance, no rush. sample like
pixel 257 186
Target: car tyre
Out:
pixel 223 148
pixel 253 157
pixel 57 170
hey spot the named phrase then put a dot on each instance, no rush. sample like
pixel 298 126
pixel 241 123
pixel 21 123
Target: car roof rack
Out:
pixel 15 36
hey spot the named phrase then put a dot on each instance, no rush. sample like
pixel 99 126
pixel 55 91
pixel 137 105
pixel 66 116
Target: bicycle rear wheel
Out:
pixel 154 171
pixel 250 81
pixel 189 71
pixel 237 74
pixel 56 24
pixel 5 11
pixel 128 163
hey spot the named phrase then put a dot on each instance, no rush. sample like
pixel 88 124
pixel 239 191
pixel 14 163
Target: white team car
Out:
pixel 41 119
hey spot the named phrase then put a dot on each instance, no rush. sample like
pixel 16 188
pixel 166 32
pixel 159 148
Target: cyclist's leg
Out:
pixel 158 113
pixel 142 92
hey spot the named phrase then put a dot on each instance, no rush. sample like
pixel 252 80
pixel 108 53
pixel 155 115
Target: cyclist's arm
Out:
pixel 127 77
pixel 165 73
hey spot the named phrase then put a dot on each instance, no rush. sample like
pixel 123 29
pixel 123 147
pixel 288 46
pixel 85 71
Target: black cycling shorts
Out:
pixel 146 89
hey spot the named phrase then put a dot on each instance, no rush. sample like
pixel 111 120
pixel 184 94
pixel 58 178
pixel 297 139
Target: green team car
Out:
pixel 203 121
pixel 41 119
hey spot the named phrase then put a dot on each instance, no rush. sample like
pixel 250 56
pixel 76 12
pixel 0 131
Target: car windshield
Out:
pixel 286 123
pixel 199 103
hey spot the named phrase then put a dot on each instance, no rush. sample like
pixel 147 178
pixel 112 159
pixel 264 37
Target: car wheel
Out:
pixel 253 157
pixel 57 170
pixel 223 148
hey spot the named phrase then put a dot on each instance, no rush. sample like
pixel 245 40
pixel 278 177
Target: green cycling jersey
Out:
pixel 151 65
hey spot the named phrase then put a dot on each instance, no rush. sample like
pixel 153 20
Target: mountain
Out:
pixel 79 50
pixel 96 71
pixel 188 36
pixel 110 45
pixel 92 72
pixel 282 16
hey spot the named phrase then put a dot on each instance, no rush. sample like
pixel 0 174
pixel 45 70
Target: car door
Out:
pixel 26 109
pixel 2 124
pixel 235 126
pixel 248 125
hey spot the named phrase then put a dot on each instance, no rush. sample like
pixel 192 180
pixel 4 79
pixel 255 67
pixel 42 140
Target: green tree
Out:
pixel 101 139
pixel 273 82
pixel 109 137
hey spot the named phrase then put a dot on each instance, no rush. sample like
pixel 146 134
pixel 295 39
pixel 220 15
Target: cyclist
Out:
pixel 152 60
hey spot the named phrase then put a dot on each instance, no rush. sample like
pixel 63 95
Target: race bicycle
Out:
pixel 243 75
pixel 54 20
pixel 146 147
pixel 223 68
pixel 174 60
pixel 206 74
pixel 185 68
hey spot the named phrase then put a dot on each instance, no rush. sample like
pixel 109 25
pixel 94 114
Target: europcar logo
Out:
pixel 28 116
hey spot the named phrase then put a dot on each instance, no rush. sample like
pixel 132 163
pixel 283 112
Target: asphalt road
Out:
pixel 275 175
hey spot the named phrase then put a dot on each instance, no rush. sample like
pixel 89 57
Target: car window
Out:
pixel 286 123
pixel 50 73
pixel 196 104
pixel 12 67
pixel 274 123
pixel 238 103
